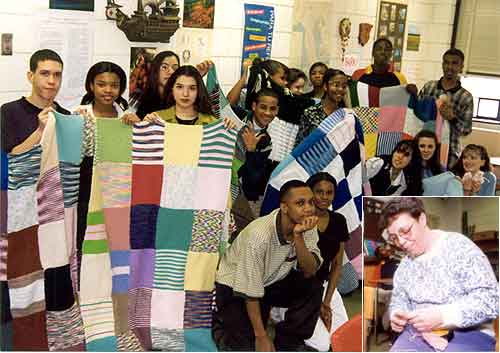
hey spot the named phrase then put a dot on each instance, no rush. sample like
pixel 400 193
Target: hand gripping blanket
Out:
pixel 336 147
pixel 390 114
pixel 157 222
pixel 38 246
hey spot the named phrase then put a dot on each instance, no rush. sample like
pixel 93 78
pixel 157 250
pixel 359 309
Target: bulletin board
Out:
pixel 392 25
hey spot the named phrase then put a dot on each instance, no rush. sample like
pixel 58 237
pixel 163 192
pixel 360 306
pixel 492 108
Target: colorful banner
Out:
pixel 258 34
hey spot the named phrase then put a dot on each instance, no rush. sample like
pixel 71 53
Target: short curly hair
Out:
pixel 412 205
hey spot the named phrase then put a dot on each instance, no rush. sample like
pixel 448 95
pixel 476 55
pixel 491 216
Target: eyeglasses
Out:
pixel 166 67
pixel 405 234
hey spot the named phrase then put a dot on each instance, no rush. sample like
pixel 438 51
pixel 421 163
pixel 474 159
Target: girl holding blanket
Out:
pixel 105 84
pixel 474 171
pixel 187 101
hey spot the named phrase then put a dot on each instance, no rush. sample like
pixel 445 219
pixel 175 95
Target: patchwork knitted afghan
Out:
pixel 336 147
pixel 157 222
pixel 390 114
pixel 38 245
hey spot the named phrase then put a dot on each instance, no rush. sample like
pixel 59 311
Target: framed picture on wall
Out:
pixel 80 5
pixel 392 25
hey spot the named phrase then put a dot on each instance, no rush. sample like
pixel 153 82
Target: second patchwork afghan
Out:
pixel 158 219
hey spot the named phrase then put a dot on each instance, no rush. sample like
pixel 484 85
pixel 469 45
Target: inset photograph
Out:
pixel 430 274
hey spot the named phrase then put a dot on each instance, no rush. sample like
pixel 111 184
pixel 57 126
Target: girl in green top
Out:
pixel 187 101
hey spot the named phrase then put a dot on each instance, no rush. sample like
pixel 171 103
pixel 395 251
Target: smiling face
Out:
pixel 401 159
pixel 408 233
pixel 472 161
pixel 336 88
pixel 106 88
pixel 265 110
pixel 426 146
pixel 185 92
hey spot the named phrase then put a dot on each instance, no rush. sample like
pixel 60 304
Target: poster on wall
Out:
pixel 258 32
pixel 80 5
pixel 413 40
pixel 392 25
pixel 140 62
pixel 193 45
pixel 312 33
pixel 57 31
pixel 198 13
pixel 6 43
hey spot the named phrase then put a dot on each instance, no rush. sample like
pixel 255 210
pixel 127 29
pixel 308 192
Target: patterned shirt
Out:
pixel 454 277
pixel 388 78
pixel 260 256
pixel 463 107
pixel 310 120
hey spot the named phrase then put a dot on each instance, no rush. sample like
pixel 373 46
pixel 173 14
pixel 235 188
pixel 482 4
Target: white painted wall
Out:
pixel 433 17
pixel 109 43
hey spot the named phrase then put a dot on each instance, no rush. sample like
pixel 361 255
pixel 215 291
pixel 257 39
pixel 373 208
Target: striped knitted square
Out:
pixel 170 266
pixel 70 176
pixel 318 156
pixel 3 257
pixel 98 319
pixel 115 180
pixel 147 144
pixel 27 294
pixel 65 328
pixel 120 270
pixel 198 310
pixel 217 146
pixel 50 197
pixel 207 231
pixel 128 342
pixel 139 307
pixel 168 340
pixel 24 168
pixel 387 141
